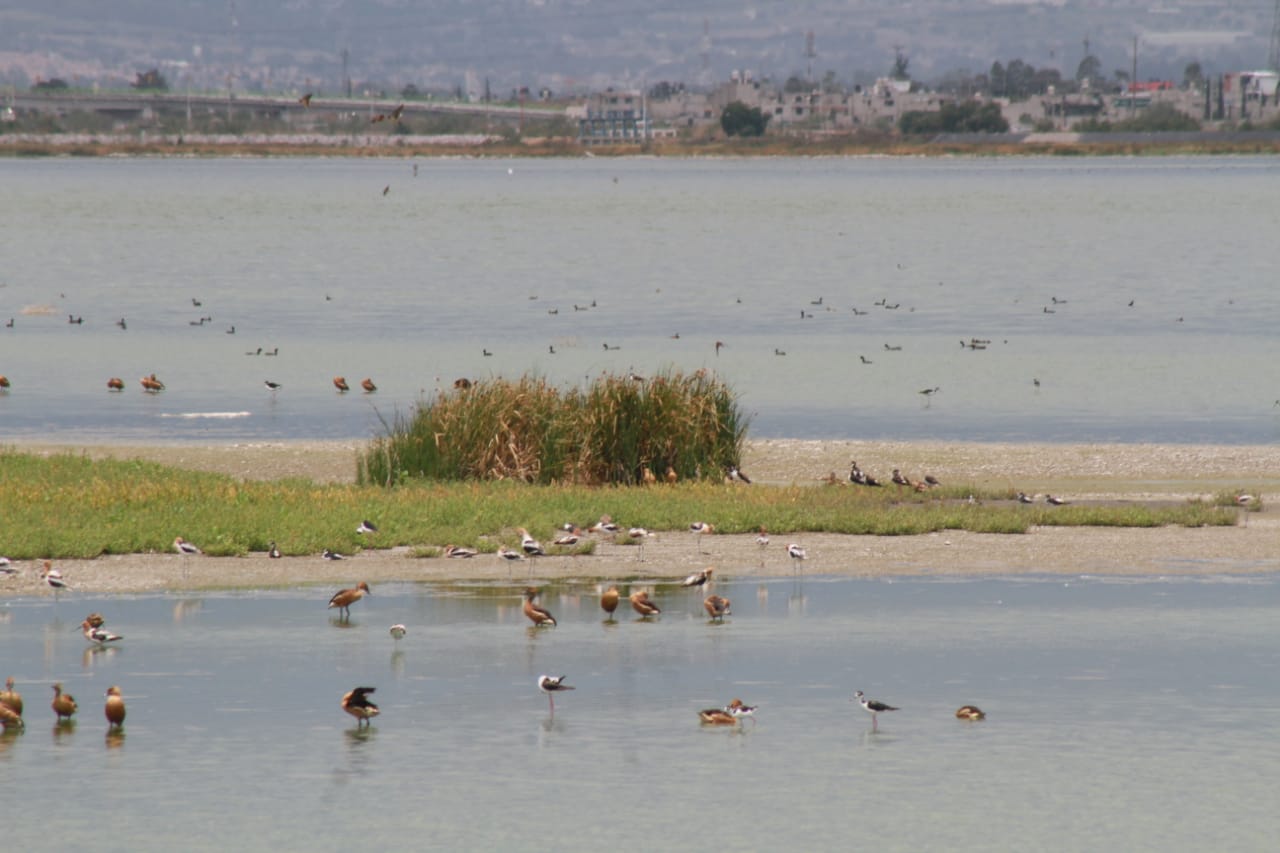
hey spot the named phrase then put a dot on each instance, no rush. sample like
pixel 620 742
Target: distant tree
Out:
pixel 54 84
pixel 1043 78
pixel 1019 79
pixel 738 119
pixel 1090 68
pixel 900 63
pixel 999 80
pixel 1158 118
pixel 1192 75
pixel 1121 76
pixel 152 80
pixel 665 91
pixel 963 117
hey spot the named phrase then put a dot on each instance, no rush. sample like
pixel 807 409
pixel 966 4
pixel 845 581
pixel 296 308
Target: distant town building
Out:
pixel 614 116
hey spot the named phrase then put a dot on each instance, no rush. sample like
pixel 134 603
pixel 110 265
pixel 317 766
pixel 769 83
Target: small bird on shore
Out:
pixel 185 548
pixel 1050 499
pixel 98 636
pixel 509 555
pixel 53 578
pixel 797 554
pixel 551 685
pixel 114 709
pixel 63 704
pixel 272 551
pixel 604 525
pixel 532 547
pixel 641 604
pixel 1024 498
pixel 457 552
pixel 872 707
pixel 344 598
pixel 970 712
pixel 609 601
pixel 700 529
pixel 331 555
pixel 717 607
pixel 357 704
pixel 537 614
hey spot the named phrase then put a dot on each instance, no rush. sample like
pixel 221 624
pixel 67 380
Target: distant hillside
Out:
pixel 581 44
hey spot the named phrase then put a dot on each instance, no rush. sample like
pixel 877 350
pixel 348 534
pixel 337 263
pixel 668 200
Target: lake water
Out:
pixel 1042 257
pixel 1122 714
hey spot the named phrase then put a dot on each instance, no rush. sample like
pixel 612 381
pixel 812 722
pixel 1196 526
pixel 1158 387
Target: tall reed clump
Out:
pixel 527 430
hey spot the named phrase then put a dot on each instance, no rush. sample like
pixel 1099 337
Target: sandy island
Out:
pixel 1077 472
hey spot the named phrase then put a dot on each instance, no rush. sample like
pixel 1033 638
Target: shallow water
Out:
pixel 308 256
pixel 1122 714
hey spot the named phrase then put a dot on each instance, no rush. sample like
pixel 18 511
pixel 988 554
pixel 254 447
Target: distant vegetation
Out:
pixel 1156 118
pixel 528 430
pixel 738 119
pixel 964 117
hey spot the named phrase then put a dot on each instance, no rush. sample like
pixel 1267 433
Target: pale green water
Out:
pixel 424 279
pixel 1122 715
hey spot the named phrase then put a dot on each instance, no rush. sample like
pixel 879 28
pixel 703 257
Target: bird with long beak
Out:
pixel 604 525
pixel 717 607
pixel 63 704
pixel 357 704
pixel 609 601
pixel 457 552
pixel 740 711
pixel 114 708
pixel 538 615
pixel 551 685
pixel 700 529
pixel 797 555
pixel 185 548
pixel 344 598
pixel 698 578
pixel 367 527
pixel 532 547
pixel 638 535
pixel 98 636
pixel 641 604
pixel 871 706
pixel 10 698
pixel 53 578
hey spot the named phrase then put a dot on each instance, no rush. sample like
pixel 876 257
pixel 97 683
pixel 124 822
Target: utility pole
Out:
pixel 346 78
pixel 809 53
pixel 1133 81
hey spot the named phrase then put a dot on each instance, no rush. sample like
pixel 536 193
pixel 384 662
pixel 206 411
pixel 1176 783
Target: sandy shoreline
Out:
pixel 1110 472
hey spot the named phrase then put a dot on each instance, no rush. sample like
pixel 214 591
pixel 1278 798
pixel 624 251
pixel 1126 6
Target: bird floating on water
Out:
pixel 970 712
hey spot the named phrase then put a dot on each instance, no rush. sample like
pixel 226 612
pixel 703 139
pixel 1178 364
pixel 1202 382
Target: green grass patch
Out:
pixel 533 432
pixel 70 506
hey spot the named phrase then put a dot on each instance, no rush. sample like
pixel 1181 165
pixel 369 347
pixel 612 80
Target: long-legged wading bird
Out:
pixel 551 685
pixel 357 704
pixel 872 707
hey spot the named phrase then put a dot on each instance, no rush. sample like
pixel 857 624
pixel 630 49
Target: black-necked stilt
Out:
pixel 398 631
pixel 797 554
pixel 872 707
pixel 272 551
pixel 700 529
pixel 272 386
pixel 331 555
pixel 367 527
pixel 551 685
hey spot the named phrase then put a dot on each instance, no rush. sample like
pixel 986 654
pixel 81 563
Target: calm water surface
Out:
pixel 310 258
pixel 1123 714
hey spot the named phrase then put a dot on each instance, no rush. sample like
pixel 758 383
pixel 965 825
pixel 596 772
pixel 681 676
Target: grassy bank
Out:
pixel 70 506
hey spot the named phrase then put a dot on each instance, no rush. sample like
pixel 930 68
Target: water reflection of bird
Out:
pixel 344 598
pixel 114 709
pixel 63 704
pixel 551 685
pixel 537 614
pixel 357 704
pixel 872 707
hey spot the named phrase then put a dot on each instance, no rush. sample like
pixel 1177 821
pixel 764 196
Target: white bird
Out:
pixel 700 529
pixel 367 527
pixel 508 554
pixel 272 551
pixel 797 554
pixel 698 578
pixel 550 685
pixel 398 631
pixel 53 578
pixel 604 525
pixel 638 535
pixel 737 476
pixel 6 567
pixel 331 555
pixel 458 552
pixel 98 636
pixel 872 707
pixel 529 545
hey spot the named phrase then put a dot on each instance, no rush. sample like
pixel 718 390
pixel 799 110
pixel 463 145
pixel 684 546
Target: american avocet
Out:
pixel 115 383
pixel 53 578
pixel 340 382
pixel 698 578
pixel 871 706
pixel 532 547
pixel 970 712
pixel 604 525
pixel 741 711
pixel 638 535
pixel 762 541
pixel 10 698
pixel 797 554
pixel 6 567
pixel 114 709
pixel 700 529
pixel 367 385
pixel 609 601
pixel 572 537
pixel 509 555
pixel 344 598
pixel 551 685
pixel 457 552
pixel 1024 498
pixel 398 631
pixel 98 636
pixel 97 620
pixel 272 551
pixel 357 704
pixel 641 604
pixel 538 615
pixel 736 475
pixel 1050 499
pixel 331 555
pixel 717 607
pixel 185 548
pixel 63 704
pixel 367 527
